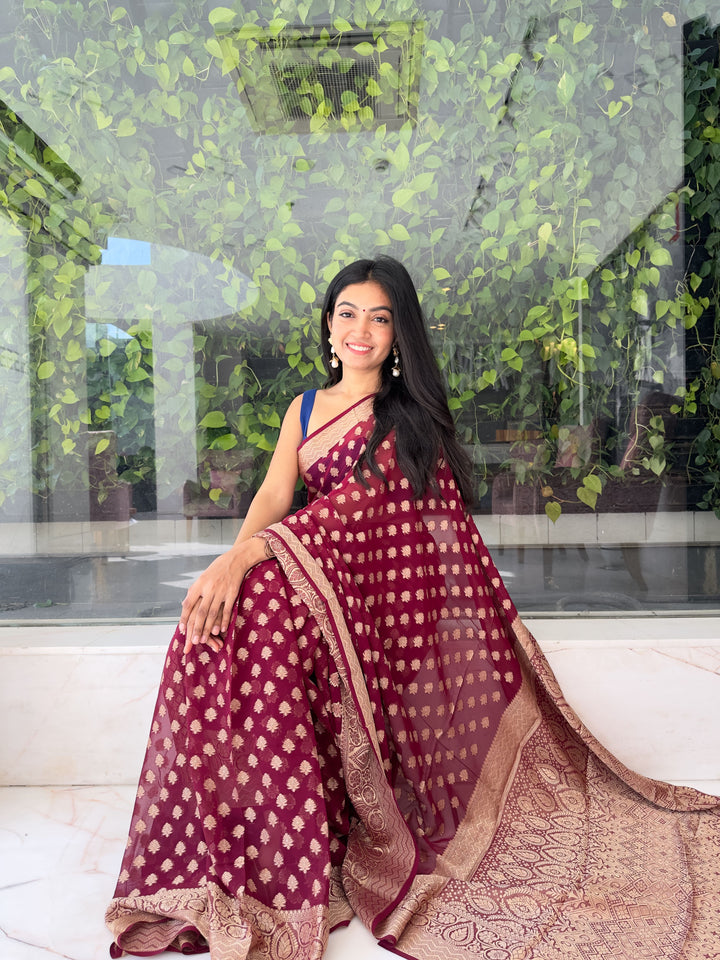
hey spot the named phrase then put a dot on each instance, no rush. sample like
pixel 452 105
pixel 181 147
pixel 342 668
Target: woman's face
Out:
pixel 361 326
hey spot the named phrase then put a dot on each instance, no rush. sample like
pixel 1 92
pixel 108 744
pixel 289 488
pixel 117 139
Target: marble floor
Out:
pixel 60 850
pixel 649 688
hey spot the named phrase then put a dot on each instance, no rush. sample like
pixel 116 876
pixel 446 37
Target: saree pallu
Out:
pixel 381 736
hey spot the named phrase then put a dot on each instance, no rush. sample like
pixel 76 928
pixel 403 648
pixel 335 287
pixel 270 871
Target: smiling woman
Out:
pixel 354 721
pixel 361 335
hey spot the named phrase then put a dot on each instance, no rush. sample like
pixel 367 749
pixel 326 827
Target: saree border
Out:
pixel 360 754
pixel 180 920
pixel 475 833
pixel 317 444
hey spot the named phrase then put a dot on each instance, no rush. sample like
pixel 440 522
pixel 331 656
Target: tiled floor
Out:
pixel 60 850
pixel 649 688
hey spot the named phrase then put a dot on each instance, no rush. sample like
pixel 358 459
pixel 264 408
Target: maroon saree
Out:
pixel 381 736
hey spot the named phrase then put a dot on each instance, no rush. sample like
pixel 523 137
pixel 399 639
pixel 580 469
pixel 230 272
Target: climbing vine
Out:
pixel 509 156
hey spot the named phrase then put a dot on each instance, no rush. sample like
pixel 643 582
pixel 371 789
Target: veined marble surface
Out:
pixel 649 688
pixel 80 705
pixel 60 852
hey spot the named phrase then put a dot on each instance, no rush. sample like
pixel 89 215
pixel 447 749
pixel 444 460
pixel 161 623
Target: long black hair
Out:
pixel 415 403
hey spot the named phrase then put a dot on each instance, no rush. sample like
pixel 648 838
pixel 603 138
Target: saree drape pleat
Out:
pixel 381 736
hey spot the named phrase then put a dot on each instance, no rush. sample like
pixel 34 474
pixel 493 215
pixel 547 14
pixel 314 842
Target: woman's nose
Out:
pixel 363 324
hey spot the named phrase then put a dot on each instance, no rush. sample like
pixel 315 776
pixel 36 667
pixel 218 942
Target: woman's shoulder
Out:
pixel 301 398
pixel 300 408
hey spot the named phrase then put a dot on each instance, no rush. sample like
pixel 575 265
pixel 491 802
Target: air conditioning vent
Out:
pixel 306 81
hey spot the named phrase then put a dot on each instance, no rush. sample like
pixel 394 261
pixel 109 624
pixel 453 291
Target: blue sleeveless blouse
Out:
pixel 306 405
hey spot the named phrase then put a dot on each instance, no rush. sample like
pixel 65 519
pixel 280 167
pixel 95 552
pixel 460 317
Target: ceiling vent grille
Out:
pixel 305 81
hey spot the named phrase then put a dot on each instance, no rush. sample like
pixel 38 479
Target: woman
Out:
pixel 353 719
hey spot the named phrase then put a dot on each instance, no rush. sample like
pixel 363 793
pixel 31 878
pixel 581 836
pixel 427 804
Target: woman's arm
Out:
pixel 208 603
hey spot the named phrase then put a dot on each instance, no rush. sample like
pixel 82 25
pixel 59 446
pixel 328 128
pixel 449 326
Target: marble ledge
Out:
pixel 645 696
pixel 88 638
pixel 603 529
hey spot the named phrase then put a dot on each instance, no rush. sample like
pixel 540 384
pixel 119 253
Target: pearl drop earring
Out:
pixel 334 362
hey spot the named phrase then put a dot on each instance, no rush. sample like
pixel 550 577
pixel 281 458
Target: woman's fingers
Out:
pixel 208 604
pixel 210 614
pixel 227 613
pixel 214 638
pixel 195 625
pixel 186 609
pixel 206 618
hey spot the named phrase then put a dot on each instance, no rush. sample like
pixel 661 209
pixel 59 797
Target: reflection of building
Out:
pixel 37 185
pixel 165 294
pixel 62 467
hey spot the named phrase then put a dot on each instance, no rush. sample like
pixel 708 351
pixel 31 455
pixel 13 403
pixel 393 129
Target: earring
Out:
pixel 334 362
pixel 397 369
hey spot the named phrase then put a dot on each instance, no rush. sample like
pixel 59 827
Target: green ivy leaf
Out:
pixel 587 496
pixel 660 257
pixel 213 420
pixel 422 182
pixel 399 232
pixel 126 128
pixel 593 482
pixel 553 510
pixel 658 464
pixel 581 31
pixel 221 15
pixel 565 88
pixel 35 189
pixel 73 351
pixel 402 197
pixel 639 302
pixel 228 441
pixel 578 289
pixel 45 370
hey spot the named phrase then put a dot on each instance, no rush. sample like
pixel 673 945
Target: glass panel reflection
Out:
pixel 178 182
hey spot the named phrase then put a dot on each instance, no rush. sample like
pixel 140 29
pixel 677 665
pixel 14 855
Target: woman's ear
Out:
pixel 328 320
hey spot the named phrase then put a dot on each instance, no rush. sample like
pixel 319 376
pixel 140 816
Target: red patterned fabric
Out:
pixel 381 736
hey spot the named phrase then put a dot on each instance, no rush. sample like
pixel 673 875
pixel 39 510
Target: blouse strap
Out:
pixel 306 406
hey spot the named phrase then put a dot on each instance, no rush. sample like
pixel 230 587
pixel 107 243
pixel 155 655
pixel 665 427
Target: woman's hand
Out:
pixel 208 603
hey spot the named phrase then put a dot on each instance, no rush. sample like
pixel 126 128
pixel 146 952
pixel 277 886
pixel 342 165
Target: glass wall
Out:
pixel 179 181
